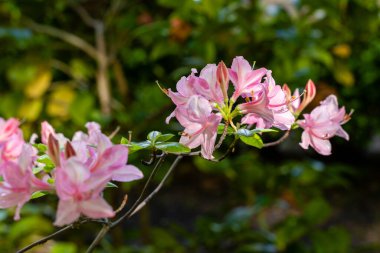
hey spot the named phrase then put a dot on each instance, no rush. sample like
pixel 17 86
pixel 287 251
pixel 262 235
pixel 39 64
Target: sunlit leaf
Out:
pixel 38 86
pixel 38 194
pixel 172 147
pixel 135 146
pixel 60 101
pixel 30 109
pixel 254 140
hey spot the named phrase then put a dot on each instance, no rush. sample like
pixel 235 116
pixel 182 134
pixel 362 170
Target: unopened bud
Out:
pixel 69 150
pixel 309 95
pixel 53 150
pixel 222 78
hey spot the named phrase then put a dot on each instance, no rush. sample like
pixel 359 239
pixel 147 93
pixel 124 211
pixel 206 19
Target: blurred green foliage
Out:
pixel 262 204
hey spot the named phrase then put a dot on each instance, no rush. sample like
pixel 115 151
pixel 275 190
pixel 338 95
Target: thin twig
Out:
pixel 85 16
pixel 155 191
pixel 229 150
pixel 223 136
pixel 114 133
pixel 132 211
pixel 98 238
pixel 69 38
pixel 269 144
pixel 158 164
pixel 125 199
pixel 47 238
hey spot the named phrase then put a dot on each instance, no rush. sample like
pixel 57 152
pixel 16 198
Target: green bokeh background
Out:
pixel 281 199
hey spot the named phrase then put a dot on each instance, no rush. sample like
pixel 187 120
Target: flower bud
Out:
pixel 222 78
pixel 53 150
pixel 69 150
pixel 309 95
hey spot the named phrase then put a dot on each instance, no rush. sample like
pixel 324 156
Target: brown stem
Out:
pixel 134 209
pixel 269 144
pixel 64 36
pixel 47 238
pixel 102 80
pixel 223 136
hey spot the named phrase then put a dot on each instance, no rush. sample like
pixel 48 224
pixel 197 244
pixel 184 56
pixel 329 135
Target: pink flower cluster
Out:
pixel 83 167
pixel 202 102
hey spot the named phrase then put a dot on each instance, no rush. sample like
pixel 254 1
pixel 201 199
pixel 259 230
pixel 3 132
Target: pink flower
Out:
pixel 268 107
pixel 323 123
pixel 11 139
pixel 79 193
pixel 295 104
pixel 19 182
pixel 83 169
pixel 103 157
pixel 244 78
pixel 200 125
pixel 206 85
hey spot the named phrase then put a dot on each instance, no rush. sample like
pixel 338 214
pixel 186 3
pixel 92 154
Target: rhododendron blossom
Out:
pixel 200 125
pixel 11 139
pixel 19 182
pixel 323 123
pixel 268 107
pixel 84 167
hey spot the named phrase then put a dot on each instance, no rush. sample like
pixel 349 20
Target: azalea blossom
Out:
pixel 244 78
pixel 295 104
pixel 19 182
pixel 11 139
pixel 200 125
pixel 79 193
pixel 323 123
pixel 206 85
pixel 268 107
pixel 83 168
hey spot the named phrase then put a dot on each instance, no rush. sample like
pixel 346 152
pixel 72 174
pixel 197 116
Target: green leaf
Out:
pixel 38 194
pixel 49 165
pixel 230 130
pixel 164 137
pixel 254 140
pixel 42 148
pixel 172 147
pixel 111 185
pixel 249 133
pixel 37 169
pixel 153 136
pixel 135 146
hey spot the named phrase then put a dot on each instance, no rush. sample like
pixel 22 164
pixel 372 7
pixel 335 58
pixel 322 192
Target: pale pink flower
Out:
pixel 11 139
pixel 200 125
pixel 79 193
pixel 84 168
pixel 19 182
pixel 98 152
pixel 244 78
pixel 47 130
pixel 268 107
pixel 323 123
pixel 295 104
pixel 205 85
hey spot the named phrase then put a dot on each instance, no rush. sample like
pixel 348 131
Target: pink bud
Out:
pixel 309 95
pixel 287 92
pixel 53 150
pixel 222 78
pixel 69 150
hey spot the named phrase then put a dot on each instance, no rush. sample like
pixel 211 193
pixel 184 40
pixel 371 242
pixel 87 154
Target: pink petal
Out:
pixel 67 213
pixel 96 208
pixel 127 173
